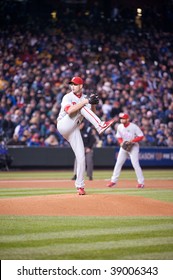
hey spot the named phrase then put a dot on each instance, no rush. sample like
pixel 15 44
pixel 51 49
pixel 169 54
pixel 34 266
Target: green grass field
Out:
pixel 90 238
pixel 98 174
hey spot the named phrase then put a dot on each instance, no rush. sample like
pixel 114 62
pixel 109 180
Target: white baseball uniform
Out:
pixel 69 127
pixel 128 133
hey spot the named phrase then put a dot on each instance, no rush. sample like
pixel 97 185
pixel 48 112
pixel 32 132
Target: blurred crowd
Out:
pixel 128 64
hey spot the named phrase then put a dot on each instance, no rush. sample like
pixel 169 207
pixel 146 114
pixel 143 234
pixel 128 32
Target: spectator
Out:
pixel 109 141
pixel 8 126
pixel 51 140
pixel 5 157
pixel 35 141
pixel 14 141
pixel 132 71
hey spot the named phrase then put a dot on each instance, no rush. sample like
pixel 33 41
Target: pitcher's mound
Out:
pixel 88 205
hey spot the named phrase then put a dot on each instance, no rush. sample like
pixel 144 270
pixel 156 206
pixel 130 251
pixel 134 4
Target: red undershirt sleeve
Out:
pixel 67 108
pixel 137 139
pixel 120 140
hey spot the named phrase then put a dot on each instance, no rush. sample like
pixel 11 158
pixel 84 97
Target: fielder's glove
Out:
pixel 127 146
pixel 93 99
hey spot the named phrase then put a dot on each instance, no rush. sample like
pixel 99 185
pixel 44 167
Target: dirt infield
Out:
pixel 89 205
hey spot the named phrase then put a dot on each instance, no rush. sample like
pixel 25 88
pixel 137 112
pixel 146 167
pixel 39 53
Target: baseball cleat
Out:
pixel 106 125
pixel 111 185
pixel 140 186
pixel 81 191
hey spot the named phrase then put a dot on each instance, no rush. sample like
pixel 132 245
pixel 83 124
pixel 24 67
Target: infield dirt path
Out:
pixel 89 205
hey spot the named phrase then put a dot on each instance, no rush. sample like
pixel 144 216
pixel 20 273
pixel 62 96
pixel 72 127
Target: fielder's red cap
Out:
pixel 123 116
pixel 76 81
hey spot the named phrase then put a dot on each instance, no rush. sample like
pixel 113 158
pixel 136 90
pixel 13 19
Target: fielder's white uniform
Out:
pixel 127 134
pixel 69 128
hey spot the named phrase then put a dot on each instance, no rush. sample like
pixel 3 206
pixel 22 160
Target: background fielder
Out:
pixel 127 131
pixel 74 107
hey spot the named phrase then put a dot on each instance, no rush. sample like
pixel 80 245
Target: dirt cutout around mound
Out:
pixel 88 205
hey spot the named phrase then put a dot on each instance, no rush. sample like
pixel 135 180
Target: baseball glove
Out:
pixel 93 99
pixel 127 146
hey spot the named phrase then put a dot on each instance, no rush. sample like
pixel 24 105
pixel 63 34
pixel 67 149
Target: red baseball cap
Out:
pixel 76 81
pixel 123 116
